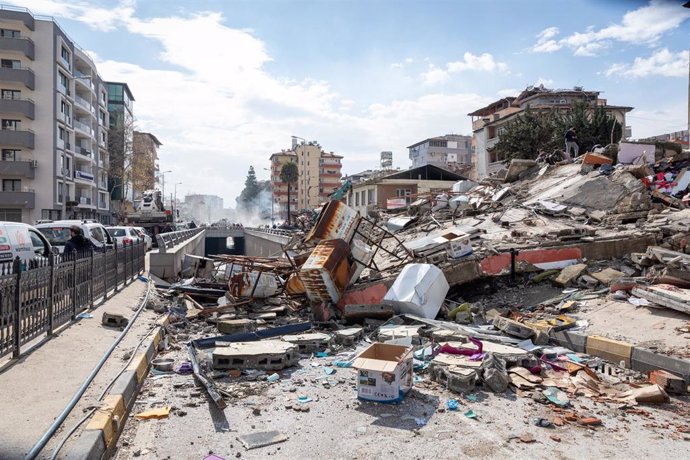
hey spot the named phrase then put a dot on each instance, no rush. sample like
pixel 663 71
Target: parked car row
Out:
pixel 28 242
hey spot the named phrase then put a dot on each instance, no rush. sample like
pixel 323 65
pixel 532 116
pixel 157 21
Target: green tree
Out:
pixel 532 131
pixel 288 174
pixel 251 190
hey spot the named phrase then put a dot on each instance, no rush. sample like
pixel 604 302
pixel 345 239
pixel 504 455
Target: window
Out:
pixel 64 54
pixel 356 198
pixel 11 215
pixel 11 155
pixel 50 214
pixel 370 196
pixel 97 234
pixel 11 185
pixel 64 80
pixel 11 125
pixel 404 193
pixel 10 64
pixel 11 94
pixel 62 134
pixel 10 33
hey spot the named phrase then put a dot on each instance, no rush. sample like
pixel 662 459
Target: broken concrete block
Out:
pixel 348 337
pixel 357 313
pixel 569 274
pixel 114 320
pixel 513 328
pixel 588 282
pixel 455 378
pixel 265 354
pixel 232 326
pixel 398 332
pixel 517 167
pixel 495 374
pixel 311 342
pixel 606 276
pixel 669 382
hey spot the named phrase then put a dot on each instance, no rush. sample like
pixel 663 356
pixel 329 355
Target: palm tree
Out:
pixel 288 174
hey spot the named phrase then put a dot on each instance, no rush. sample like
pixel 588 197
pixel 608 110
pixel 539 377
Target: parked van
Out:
pixel 57 233
pixel 22 240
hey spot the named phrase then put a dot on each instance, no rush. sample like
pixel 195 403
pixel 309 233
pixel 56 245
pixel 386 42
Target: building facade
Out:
pixel 54 120
pixel 400 188
pixel 120 146
pixel 144 163
pixel 679 137
pixel 489 122
pixel 318 172
pixel 447 151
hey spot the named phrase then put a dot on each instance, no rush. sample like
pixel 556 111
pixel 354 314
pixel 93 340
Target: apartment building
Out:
pixel 319 174
pixel 489 122
pixel 144 163
pixel 54 122
pixel 449 152
pixel 121 147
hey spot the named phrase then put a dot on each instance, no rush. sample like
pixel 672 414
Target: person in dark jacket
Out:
pixel 77 244
pixel 571 143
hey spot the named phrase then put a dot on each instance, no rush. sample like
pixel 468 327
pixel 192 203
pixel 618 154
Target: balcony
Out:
pixel 24 199
pixel 83 103
pixel 22 75
pixel 18 168
pixel 23 138
pixel 22 45
pixel 83 175
pixel 83 127
pixel 83 151
pixel 64 119
pixel 84 201
pixel 13 13
pixel 20 106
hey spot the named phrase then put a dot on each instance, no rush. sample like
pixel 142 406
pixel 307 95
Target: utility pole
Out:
pixel 687 5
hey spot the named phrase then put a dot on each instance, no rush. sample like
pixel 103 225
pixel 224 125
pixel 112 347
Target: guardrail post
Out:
pixel 51 293
pixel 17 310
pixel 116 266
pixel 74 285
pixel 105 274
pixel 93 279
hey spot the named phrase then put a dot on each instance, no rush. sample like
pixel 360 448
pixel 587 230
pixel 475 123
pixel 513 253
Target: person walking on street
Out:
pixel 77 244
pixel 571 142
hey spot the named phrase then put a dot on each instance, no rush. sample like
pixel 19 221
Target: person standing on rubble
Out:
pixel 571 142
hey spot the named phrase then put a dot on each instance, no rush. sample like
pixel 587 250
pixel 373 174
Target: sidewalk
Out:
pixel 36 389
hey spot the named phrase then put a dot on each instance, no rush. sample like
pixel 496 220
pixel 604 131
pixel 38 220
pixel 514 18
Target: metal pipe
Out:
pixel 36 449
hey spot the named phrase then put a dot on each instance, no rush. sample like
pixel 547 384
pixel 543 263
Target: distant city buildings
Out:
pixel 488 123
pixel 452 152
pixel 144 162
pixel 319 174
pixel 120 145
pixel 54 124
pixel 680 137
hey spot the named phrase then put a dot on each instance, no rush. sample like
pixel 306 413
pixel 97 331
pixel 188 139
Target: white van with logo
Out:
pixel 23 241
pixel 57 233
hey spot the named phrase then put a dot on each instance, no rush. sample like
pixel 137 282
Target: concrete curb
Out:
pixel 637 358
pixel 100 435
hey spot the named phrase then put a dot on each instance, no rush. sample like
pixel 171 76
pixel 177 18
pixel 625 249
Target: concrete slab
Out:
pixel 265 354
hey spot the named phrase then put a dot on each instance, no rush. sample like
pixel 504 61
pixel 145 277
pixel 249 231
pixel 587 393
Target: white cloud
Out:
pixel 643 26
pixel 470 62
pixel 544 81
pixel 435 75
pixel 508 92
pixel 100 18
pixel 662 62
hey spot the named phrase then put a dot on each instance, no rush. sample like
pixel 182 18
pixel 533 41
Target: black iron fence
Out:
pixel 38 297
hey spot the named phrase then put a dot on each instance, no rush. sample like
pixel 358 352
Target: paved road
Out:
pixel 36 389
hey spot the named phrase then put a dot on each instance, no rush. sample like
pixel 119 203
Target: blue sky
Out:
pixel 224 84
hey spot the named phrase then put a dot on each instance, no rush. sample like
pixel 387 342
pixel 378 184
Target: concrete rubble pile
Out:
pixel 399 298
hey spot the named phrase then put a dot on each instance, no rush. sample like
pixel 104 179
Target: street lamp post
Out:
pixel 162 174
pixel 174 206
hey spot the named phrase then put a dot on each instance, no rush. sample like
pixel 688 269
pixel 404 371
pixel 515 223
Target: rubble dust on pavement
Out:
pixel 472 323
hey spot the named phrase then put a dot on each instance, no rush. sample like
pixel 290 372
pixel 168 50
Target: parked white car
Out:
pixel 124 235
pixel 57 233
pixel 148 240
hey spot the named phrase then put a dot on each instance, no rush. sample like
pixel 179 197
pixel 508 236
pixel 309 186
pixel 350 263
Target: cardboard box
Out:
pixel 384 373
